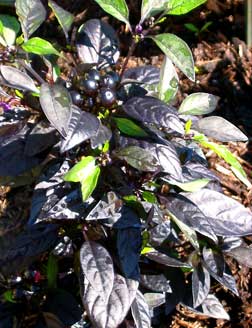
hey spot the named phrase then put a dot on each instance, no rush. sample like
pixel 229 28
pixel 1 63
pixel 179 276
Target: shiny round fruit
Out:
pixel 93 74
pixel 115 76
pixel 108 97
pixel 107 81
pixel 89 86
pixel 76 97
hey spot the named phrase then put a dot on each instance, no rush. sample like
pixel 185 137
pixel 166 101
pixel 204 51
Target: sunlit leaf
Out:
pixel 31 14
pixel 177 51
pixel 39 46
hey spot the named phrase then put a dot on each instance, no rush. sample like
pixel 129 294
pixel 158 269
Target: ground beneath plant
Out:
pixel 224 64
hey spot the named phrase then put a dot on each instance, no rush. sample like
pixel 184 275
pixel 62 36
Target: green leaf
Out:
pixel 81 170
pixel 198 103
pixel 228 157
pixel 31 14
pixel 52 271
pixel 87 173
pixel 64 17
pixel 130 128
pixel 147 250
pixel 188 126
pixel 178 52
pixel 168 85
pixel 181 7
pixel 152 7
pixel 191 27
pixel 116 8
pixel 89 183
pixel 8 296
pixel 192 186
pixel 9 27
pixel 149 197
pixel 39 46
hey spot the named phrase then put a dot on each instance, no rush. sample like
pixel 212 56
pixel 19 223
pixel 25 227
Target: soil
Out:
pixel 224 68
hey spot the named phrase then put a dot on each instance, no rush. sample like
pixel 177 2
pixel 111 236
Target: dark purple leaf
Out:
pixel 54 199
pixel 113 312
pixel 200 285
pixel 17 79
pixel 166 260
pixel 97 43
pixel 129 244
pixel 142 74
pixel 154 299
pixel 81 127
pixel 242 254
pixel 152 110
pixel 140 311
pixel 40 138
pixel 226 216
pixel 228 243
pixel 19 251
pixel 114 213
pixel 194 171
pixel 190 214
pixel 63 304
pixel 56 104
pixel 210 307
pixel 13 160
pixel 97 267
pixel 156 283
pixel 220 129
pixel 160 233
pixel 175 278
pixel 219 270
pixel 103 134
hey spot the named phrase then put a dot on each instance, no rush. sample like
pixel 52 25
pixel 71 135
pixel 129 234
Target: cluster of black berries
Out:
pixel 97 89
pixel 7 55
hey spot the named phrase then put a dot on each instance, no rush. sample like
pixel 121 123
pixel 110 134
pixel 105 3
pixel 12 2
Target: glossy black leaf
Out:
pixel 152 110
pixel 210 307
pixel 142 74
pixel 166 260
pixel 200 285
pixel 63 304
pixel 82 126
pixel 19 251
pixel 17 79
pixel 129 244
pixel 242 254
pixel 190 214
pixel 40 138
pixel 140 158
pixel 56 104
pixel 111 313
pixel 97 44
pixel 103 134
pixel 217 268
pixel 140 311
pixel 97 267
pixel 155 282
pixel 220 129
pixel 226 216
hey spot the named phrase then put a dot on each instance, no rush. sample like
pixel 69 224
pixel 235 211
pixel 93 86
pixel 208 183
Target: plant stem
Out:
pixel 130 52
pixel 32 71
